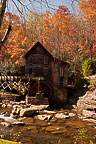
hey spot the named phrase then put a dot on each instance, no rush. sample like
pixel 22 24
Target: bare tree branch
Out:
pixel 75 1
pixel 17 7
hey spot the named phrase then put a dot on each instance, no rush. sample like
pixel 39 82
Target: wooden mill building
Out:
pixel 51 74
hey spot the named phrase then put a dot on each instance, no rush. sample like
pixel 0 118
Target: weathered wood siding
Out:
pixel 59 72
pixel 38 63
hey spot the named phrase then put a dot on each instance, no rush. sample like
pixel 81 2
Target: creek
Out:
pixel 62 131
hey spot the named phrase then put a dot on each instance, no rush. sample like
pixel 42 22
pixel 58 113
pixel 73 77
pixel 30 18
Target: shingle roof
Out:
pixel 38 43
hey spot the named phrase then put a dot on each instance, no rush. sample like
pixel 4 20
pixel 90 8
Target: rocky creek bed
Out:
pixel 34 124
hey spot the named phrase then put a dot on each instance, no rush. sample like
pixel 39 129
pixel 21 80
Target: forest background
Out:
pixel 69 33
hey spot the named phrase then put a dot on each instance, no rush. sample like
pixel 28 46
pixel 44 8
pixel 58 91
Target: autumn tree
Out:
pixel 15 46
pixel 68 37
pixel 88 10
pixel 56 26
pixel 33 28
pixel 2 11
pixel 21 6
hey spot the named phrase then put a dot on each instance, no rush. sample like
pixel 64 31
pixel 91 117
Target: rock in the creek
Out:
pixel 22 102
pixel 5 124
pixel 27 112
pixel 3 113
pixel 16 111
pixel 9 105
pixel 90 114
pixel 53 119
pixel 89 120
pixel 4 105
pixel 56 129
pixel 7 119
pixel 16 103
pixel 18 123
pixel 44 117
pixel 2 136
pixel 62 116
pixel 32 129
pixel 17 106
pixel 71 114
pixel 11 115
pixel 49 112
pixel 39 107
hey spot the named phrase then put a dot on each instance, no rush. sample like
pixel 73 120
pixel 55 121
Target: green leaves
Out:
pixel 86 68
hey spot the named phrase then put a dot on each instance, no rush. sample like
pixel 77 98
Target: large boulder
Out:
pixel 32 110
pixel 87 105
pixel 28 112
pixel 61 116
pixel 16 109
pixel 88 101
pixel 89 114
pixel 44 117
pixel 5 124
pixel 39 107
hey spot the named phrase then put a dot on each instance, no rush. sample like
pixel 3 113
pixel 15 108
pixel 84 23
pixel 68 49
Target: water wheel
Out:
pixel 43 88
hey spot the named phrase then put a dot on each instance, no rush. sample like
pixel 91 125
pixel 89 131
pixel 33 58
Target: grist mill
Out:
pixel 50 75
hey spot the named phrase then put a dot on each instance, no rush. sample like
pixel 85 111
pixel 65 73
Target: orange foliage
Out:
pixel 62 34
pixel 15 44
pixel 56 26
pixel 88 7
pixel 65 35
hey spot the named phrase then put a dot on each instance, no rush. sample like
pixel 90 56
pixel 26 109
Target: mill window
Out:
pixel 61 81
pixel 30 70
pixel 45 60
pixel 45 70
pixel 30 60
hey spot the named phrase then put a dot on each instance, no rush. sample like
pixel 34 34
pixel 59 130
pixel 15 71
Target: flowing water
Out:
pixel 69 131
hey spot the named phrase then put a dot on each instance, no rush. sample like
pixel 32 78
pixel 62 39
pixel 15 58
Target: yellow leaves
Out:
pixel 24 41
pixel 34 26
pixel 2 141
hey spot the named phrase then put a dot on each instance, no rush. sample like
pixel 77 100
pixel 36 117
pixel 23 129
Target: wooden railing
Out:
pixel 19 83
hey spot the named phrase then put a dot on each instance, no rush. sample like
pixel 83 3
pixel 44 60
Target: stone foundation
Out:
pixel 10 97
pixel 36 101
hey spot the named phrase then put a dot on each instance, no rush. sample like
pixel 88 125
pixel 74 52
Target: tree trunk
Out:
pixel 2 10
